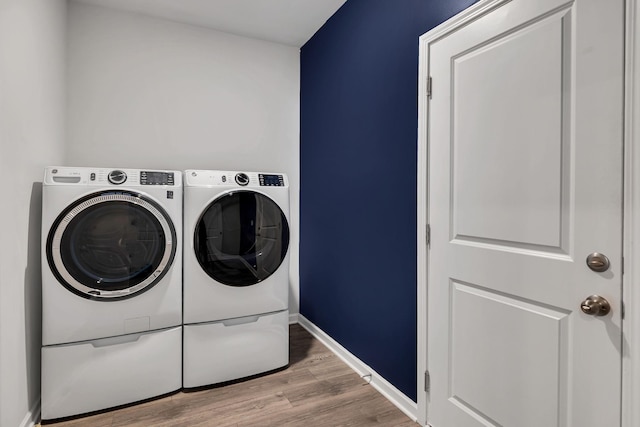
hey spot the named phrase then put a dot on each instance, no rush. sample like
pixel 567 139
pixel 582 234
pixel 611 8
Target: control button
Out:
pixel 242 179
pixel 92 177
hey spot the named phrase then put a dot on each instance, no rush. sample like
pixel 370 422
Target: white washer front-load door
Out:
pixel 111 245
pixel 525 182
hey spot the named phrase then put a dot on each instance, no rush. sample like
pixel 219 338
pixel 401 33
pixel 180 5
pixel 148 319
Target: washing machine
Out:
pixel 111 287
pixel 236 275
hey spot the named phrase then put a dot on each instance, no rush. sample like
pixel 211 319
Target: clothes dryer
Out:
pixel 236 275
pixel 111 287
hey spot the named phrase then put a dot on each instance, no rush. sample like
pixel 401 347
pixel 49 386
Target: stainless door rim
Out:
pixel 103 197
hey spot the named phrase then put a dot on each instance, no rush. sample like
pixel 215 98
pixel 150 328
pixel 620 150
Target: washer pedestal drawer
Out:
pixel 94 375
pixel 235 348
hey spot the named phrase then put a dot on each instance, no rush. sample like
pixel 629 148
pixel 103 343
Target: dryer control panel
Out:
pixel 235 179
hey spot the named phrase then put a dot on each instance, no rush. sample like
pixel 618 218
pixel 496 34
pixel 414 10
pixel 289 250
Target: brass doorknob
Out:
pixel 595 305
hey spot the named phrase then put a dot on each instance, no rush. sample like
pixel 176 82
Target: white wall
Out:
pixel 150 93
pixel 32 76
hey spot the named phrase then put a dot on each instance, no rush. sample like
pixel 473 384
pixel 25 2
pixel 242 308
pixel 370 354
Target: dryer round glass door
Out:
pixel 241 238
pixel 111 245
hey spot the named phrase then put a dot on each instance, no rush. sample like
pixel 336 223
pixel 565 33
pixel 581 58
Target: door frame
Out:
pixel 631 224
pixel 631 234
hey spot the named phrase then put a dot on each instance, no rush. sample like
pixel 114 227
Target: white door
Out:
pixel 525 181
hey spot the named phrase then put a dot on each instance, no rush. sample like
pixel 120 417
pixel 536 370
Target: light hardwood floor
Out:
pixel 316 389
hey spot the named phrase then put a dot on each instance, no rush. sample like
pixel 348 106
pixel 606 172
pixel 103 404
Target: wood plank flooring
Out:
pixel 316 389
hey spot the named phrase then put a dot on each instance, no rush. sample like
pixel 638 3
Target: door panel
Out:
pixel 525 181
pixel 535 337
pixel 524 126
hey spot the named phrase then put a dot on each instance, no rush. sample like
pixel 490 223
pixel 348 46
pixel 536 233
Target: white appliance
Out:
pixel 236 275
pixel 111 287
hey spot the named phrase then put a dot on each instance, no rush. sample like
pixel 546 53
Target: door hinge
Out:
pixel 428 235
pixel 429 86
pixel 427 381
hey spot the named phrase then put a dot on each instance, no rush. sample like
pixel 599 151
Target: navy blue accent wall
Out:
pixel 358 161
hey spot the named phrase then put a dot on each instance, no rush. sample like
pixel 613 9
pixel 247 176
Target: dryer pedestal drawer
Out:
pixel 94 375
pixel 235 348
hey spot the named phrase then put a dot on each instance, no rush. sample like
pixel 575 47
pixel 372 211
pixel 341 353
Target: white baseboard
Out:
pixel 293 318
pixel 395 396
pixel 32 417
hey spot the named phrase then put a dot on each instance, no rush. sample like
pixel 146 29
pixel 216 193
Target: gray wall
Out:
pixel 32 97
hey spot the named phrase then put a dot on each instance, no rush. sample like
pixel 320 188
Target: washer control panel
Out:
pixel 269 180
pixel 112 177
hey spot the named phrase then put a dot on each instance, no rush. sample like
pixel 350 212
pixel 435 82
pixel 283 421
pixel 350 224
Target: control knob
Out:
pixel 242 179
pixel 117 177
